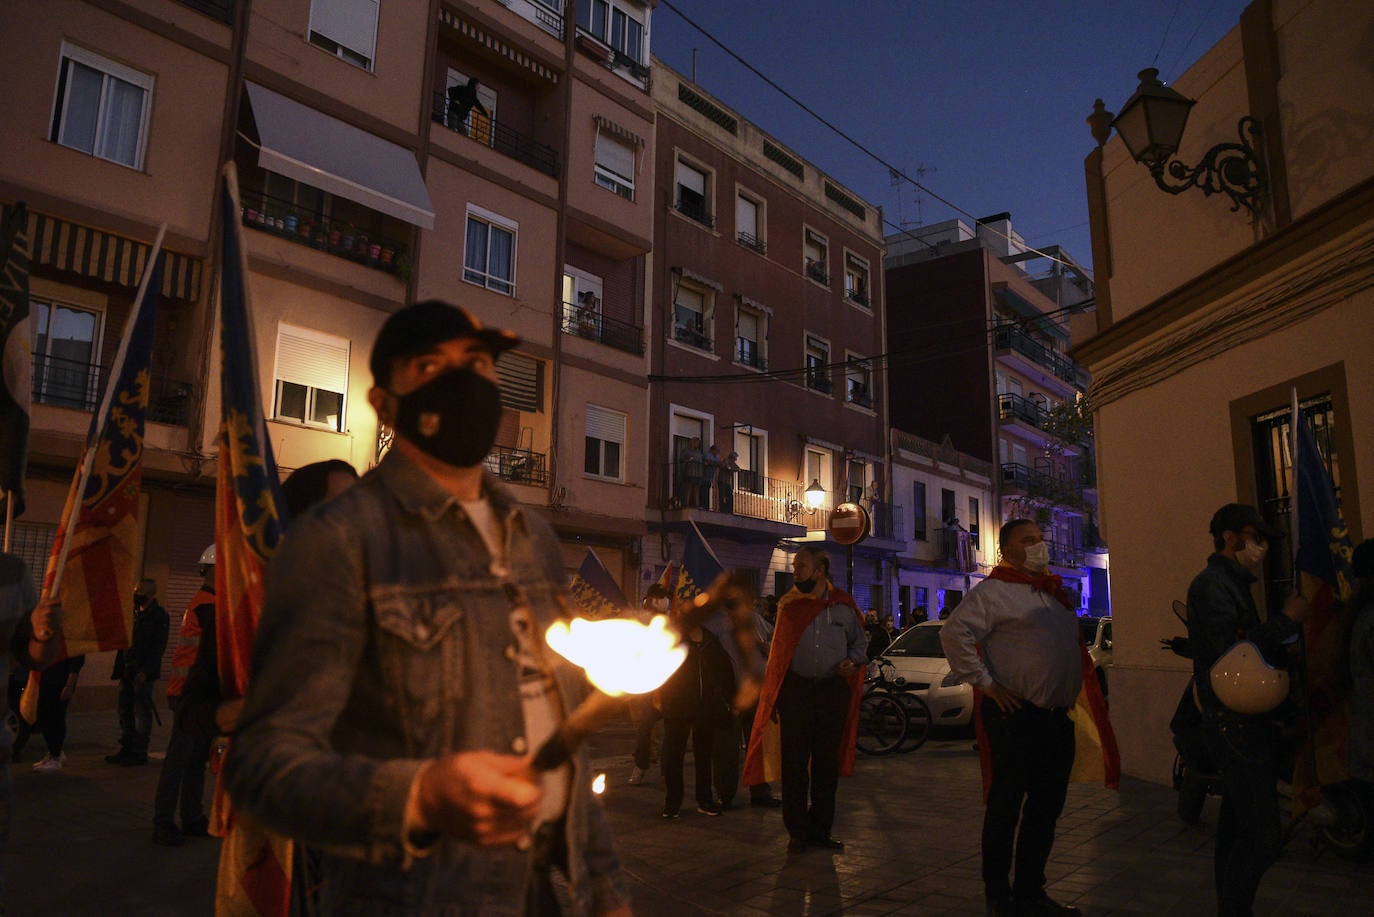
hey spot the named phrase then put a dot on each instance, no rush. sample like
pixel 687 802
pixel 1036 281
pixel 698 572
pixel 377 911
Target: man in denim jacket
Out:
pixel 401 681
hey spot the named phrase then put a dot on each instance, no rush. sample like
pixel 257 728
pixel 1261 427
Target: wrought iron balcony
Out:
pixel 739 493
pixel 364 244
pixel 858 297
pixel 752 242
pixel 1067 555
pixel 76 384
pixel 818 381
pixel 1011 406
pixel 695 208
pixel 748 353
pixel 519 466
pixel 692 337
pixel 1012 337
pixel 860 395
pixel 551 21
pixel 503 139
pixel 592 325
pixel 817 272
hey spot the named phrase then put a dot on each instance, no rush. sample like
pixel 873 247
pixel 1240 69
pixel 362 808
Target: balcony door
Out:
pixel 466 98
pixel 66 343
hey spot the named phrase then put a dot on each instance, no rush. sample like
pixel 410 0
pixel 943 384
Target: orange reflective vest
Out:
pixel 188 642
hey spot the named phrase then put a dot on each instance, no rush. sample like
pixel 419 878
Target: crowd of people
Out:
pixel 401 761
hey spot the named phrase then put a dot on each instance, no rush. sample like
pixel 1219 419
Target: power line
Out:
pixel 851 140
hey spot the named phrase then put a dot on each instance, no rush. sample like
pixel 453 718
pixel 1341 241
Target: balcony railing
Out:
pixel 1066 555
pixel 592 325
pixel 695 209
pixel 1011 337
pixel 304 226
pixel 741 493
pixel 1056 489
pixel 819 382
pixel 752 242
pixel 860 395
pixel 886 519
pixel 1011 406
pixel 76 384
pixel 629 65
pixel 692 337
pixel 550 20
pixel 748 353
pixel 503 139
pixel 817 272
pixel 857 296
pixel 519 466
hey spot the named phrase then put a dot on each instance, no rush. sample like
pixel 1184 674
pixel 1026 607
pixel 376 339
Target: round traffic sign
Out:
pixel 849 523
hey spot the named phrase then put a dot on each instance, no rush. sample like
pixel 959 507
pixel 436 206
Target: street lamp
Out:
pixel 815 494
pixel 1151 125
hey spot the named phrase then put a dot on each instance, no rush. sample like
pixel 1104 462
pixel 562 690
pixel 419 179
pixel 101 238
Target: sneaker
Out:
pixel 49 763
pixel 636 776
pixel 709 808
pixel 669 814
pixel 167 836
pixel 39 764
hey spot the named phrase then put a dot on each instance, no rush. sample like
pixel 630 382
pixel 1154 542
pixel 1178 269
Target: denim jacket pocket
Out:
pixel 421 649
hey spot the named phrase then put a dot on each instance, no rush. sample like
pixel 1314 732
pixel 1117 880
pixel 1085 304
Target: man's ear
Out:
pixel 383 402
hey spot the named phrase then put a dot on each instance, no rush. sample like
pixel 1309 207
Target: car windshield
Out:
pixel 922 640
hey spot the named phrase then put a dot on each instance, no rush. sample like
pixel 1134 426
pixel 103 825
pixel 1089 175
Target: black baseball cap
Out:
pixel 418 327
pixel 1234 517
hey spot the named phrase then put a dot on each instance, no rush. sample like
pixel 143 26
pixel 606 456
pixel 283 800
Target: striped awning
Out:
pixel 624 133
pixel 105 256
pixel 454 21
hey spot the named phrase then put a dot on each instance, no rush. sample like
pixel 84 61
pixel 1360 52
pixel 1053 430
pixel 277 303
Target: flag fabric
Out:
pixel 595 592
pixel 99 525
pixel 1322 568
pixel 699 570
pixel 16 357
pixel 250 515
pixel 668 581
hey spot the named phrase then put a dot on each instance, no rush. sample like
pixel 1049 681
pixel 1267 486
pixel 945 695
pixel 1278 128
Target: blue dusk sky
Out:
pixel 988 97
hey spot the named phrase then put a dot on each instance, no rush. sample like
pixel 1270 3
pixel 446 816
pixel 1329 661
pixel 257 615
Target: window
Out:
pixel 856 279
pixel 857 475
pixel 749 335
pixel 693 199
pixel 311 377
pixel 470 108
pixel 489 255
pixel 818 471
pixel 522 383
pixel 947 507
pixel 581 303
pixel 749 223
pixel 918 510
pixel 615 24
pixel 815 249
pixel 751 444
pixel 346 28
pixel 858 381
pixel 973 516
pixel 615 165
pixel 605 442
pixel 66 345
pixel 102 107
pixel 817 364
pixel 690 318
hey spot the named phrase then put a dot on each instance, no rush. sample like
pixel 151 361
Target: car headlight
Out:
pixel 950 680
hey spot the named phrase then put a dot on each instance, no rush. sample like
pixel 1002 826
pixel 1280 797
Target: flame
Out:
pixel 599 784
pixel 620 656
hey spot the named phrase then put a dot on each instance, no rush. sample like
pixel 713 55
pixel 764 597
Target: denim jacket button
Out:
pixel 518 745
pixel 422 631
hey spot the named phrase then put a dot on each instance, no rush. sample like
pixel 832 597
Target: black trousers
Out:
pixel 675 732
pixel 182 779
pixel 811 717
pixel 1249 834
pixel 1032 755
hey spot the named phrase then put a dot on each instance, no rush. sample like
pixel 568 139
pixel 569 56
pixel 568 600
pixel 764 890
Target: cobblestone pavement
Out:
pixel 82 845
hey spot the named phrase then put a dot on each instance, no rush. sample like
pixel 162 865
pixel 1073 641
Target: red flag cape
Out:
pixel 1045 582
pixel 795 613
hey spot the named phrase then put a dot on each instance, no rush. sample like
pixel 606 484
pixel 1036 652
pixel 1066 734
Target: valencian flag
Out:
pixel 93 565
pixel 699 570
pixel 255 865
pixel 16 358
pixel 595 592
pixel 1325 578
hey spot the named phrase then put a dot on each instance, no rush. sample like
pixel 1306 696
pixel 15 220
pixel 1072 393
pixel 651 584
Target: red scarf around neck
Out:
pixel 1045 582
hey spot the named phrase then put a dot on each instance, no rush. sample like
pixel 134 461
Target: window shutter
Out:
pixel 351 23
pixel 691 179
pixel 614 155
pixel 747 217
pixel 605 425
pixel 748 326
pixel 691 300
pixel 520 382
pixel 312 358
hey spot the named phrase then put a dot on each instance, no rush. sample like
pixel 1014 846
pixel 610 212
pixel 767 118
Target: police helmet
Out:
pixel 1245 683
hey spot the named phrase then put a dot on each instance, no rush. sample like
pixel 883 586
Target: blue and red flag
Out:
pixel 94 561
pixel 700 566
pixel 1322 569
pixel 250 515
pixel 16 357
pixel 595 592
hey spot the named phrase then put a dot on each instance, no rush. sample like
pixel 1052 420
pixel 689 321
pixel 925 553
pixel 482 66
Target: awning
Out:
pixel 624 133
pixel 323 152
pixel 454 21
pixel 1027 310
pixel 109 257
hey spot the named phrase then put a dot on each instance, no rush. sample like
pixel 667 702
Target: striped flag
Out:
pixel 16 358
pixel 699 570
pixel 250 514
pixel 94 559
pixel 1322 567
pixel 595 592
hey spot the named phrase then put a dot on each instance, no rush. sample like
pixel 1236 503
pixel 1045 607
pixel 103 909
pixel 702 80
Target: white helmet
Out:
pixel 207 557
pixel 1245 683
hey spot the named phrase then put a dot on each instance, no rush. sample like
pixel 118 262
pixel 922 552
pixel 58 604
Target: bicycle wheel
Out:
pixel 918 722
pixel 882 723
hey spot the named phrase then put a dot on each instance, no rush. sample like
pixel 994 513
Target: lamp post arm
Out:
pixel 1234 169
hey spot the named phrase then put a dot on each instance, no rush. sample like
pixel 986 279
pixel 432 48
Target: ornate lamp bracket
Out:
pixel 1233 169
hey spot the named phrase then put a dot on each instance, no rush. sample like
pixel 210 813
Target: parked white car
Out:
pixel 918 657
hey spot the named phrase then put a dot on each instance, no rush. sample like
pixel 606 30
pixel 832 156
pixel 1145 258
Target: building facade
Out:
pixel 1210 316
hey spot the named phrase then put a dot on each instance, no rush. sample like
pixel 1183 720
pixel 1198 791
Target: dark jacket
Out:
pixel 703 688
pixel 200 699
pixel 144 654
pixel 1221 611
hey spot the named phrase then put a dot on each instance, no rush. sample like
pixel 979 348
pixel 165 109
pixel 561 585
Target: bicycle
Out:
pixel 919 717
pixel 882 721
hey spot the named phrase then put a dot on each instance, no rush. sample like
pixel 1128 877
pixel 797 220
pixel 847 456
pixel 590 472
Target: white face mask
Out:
pixel 1037 557
pixel 1252 554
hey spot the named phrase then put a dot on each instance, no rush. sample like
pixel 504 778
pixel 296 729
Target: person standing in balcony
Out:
pixel 725 482
pixel 693 467
pixel 462 99
pixel 709 474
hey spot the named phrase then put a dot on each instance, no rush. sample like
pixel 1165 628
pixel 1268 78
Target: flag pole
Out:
pixel 107 393
pixel 1293 515
pixel 9 517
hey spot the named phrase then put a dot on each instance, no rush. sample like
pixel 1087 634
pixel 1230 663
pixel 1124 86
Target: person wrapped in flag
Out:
pixel 400 678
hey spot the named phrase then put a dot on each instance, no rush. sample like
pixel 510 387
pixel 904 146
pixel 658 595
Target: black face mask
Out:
pixel 452 417
pixel 806 585
pixel 140 601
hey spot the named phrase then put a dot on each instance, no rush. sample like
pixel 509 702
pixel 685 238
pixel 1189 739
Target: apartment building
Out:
pixel 1213 308
pixel 978 341
pixel 496 155
pixel 766 331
